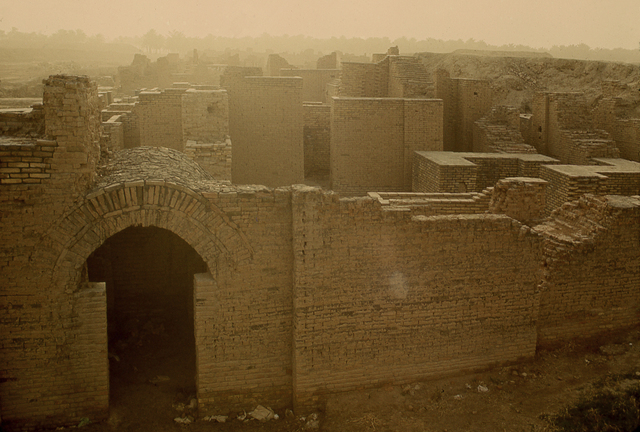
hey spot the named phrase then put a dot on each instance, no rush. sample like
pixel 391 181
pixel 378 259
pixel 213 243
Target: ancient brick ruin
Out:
pixel 186 206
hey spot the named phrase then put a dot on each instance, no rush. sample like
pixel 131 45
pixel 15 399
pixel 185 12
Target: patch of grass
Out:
pixel 613 405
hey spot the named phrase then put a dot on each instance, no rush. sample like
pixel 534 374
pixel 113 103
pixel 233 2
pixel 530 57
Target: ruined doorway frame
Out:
pixel 109 210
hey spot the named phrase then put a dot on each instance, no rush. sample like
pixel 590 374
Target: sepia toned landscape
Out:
pixel 295 233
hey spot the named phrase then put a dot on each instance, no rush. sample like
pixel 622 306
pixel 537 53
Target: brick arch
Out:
pixel 110 209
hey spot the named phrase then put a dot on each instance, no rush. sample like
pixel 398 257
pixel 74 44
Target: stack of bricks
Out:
pixel 521 198
pixel 443 172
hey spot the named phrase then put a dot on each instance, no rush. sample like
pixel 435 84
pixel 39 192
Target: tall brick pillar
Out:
pixel 72 119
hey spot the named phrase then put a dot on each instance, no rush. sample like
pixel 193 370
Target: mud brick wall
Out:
pixel 408 78
pixel 434 204
pixel 317 138
pixel 214 158
pixel 464 102
pixel 568 183
pixel 490 170
pixel 474 102
pixel 47 374
pixel 28 163
pixel 364 79
pixel 422 131
pixel 380 297
pixel 591 284
pixel 443 172
pixel 314 82
pixel 246 356
pixel 160 118
pixel 268 149
pixel 456 172
pixel 29 122
pixel 373 141
pixel 539 135
pixel 522 198
pixel 128 118
pixel 367 145
pixel 112 138
pixel 625 132
pixel 205 115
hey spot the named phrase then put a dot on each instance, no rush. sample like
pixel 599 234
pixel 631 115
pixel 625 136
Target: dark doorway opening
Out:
pixel 149 280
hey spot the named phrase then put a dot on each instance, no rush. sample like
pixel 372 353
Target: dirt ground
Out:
pixel 514 398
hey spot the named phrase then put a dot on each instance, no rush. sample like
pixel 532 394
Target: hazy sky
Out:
pixel 537 23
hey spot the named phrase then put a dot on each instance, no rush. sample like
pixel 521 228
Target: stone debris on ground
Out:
pixel 216 418
pixel 482 389
pixel 262 413
pixel 312 422
pixel 184 420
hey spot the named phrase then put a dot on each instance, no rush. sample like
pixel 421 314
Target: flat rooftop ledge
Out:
pixel 446 158
pixel 346 98
pixel 576 171
pixel 529 180
pixel 466 158
pixel 619 201
pixel 616 164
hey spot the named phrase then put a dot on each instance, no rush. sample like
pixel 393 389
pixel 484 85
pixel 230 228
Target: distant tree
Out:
pixel 152 41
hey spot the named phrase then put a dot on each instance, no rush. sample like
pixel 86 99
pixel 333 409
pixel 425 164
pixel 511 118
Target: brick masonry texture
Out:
pixel 563 128
pixel 392 76
pixel 373 141
pixel 268 143
pixel 317 138
pixel 464 102
pixel 314 82
pixel 299 292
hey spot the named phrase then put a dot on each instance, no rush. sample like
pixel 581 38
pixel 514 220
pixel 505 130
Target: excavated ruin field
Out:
pixel 514 80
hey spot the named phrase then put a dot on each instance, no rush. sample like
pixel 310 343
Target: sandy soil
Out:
pixel 514 398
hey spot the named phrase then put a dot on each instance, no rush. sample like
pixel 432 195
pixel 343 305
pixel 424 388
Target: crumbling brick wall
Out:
pixel 499 132
pixel 205 115
pixel 591 281
pixel 624 131
pixel 563 128
pixel 23 123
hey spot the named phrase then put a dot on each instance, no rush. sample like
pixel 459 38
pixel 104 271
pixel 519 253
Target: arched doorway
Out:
pixel 149 282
